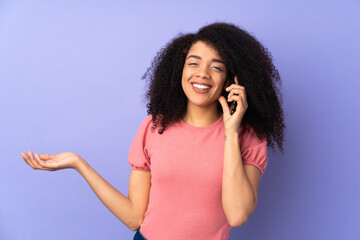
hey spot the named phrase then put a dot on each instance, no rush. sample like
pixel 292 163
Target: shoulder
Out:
pixel 148 118
pixel 143 131
pixel 248 137
pixel 146 122
pixel 147 125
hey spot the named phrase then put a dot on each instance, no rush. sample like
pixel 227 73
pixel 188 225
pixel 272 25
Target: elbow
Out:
pixel 238 221
pixel 134 225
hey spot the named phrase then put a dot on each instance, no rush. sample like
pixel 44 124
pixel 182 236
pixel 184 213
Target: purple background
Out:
pixel 70 81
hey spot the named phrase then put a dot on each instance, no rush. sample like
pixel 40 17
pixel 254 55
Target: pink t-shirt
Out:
pixel 186 164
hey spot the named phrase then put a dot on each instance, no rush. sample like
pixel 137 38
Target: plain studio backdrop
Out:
pixel 70 80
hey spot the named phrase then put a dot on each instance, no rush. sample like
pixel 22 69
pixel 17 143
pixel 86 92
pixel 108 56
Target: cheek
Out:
pixel 221 87
pixel 187 73
pixel 184 79
pixel 222 82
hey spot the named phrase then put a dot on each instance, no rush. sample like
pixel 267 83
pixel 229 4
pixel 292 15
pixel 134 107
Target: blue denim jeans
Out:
pixel 139 236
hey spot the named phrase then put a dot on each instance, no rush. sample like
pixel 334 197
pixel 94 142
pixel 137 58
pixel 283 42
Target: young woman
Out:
pixel 198 157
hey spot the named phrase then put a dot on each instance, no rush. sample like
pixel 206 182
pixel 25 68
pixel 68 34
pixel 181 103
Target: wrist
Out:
pixel 230 132
pixel 231 136
pixel 80 164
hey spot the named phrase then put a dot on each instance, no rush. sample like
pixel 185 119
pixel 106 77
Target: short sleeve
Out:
pixel 138 156
pixel 253 149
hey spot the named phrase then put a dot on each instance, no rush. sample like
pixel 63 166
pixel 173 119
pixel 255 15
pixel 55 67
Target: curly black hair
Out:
pixel 244 56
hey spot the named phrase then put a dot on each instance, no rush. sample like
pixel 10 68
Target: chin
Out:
pixel 201 104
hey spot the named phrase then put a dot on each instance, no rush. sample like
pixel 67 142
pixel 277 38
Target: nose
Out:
pixel 202 72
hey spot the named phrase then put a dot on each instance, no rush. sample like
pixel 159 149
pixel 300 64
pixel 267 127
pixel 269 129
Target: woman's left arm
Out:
pixel 239 182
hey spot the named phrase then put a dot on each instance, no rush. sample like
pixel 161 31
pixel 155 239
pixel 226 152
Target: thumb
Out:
pixel 46 156
pixel 224 105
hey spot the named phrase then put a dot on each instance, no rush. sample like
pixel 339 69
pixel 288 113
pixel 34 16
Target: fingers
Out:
pixel 240 100
pixel 240 92
pixel 237 92
pixel 236 89
pixel 236 80
pixel 233 95
pixel 27 160
pixel 35 163
pixel 40 162
pixel 234 86
pixel 224 105
pixel 46 156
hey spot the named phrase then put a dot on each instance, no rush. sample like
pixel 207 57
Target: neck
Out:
pixel 200 116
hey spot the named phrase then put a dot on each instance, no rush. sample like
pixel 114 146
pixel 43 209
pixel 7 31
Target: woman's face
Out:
pixel 203 76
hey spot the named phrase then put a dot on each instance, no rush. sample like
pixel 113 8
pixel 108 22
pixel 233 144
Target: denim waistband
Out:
pixel 138 235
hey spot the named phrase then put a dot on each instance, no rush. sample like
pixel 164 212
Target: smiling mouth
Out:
pixel 200 86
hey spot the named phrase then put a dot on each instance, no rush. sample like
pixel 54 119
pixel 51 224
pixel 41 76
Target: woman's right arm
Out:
pixel 130 210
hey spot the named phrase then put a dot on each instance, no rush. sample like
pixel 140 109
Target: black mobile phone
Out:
pixel 229 81
pixel 233 106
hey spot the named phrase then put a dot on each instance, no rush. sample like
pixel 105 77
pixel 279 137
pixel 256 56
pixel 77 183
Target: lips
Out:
pixel 205 84
pixel 200 90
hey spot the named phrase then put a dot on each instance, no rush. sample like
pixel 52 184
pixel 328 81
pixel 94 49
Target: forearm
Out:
pixel 120 205
pixel 238 197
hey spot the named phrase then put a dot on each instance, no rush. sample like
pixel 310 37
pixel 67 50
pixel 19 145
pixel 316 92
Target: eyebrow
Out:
pixel 213 60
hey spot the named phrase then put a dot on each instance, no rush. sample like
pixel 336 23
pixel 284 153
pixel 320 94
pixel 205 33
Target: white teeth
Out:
pixel 200 86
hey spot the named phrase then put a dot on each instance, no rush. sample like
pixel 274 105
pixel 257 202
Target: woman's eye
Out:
pixel 218 69
pixel 192 64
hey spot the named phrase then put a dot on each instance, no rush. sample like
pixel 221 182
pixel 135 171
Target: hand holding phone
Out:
pixel 234 103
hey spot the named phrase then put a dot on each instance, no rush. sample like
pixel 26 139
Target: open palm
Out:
pixel 52 162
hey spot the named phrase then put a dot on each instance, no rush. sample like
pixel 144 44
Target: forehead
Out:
pixel 203 49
